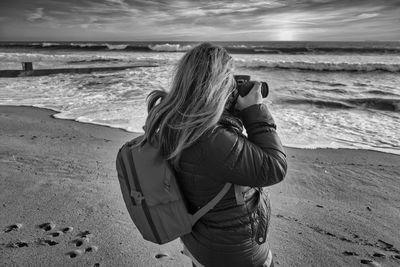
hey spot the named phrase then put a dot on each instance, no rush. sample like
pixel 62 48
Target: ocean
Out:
pixel 322 94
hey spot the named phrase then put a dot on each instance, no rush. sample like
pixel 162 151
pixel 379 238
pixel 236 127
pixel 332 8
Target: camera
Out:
pixel 244 85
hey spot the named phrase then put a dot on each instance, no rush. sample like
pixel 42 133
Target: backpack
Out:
pixel 152 195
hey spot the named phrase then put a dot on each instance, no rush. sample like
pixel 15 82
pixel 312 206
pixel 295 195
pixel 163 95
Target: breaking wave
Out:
pixel 379 92
pixel 376 103
pixel 232 47
pixel 361 103
pixel 117 47
pixel 322 66
pixel 326 83
pixel 170 47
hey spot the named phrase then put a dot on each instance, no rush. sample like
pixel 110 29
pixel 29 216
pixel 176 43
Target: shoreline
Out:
pixel 336 207
pixel 54 111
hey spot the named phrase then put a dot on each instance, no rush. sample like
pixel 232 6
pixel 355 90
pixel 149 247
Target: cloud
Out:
pixel 367 15
pixel 119 3
pixel 35 15
pixel 211 19
pixel 361 17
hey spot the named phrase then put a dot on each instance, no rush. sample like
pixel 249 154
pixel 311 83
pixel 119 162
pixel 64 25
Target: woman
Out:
pixel 203 140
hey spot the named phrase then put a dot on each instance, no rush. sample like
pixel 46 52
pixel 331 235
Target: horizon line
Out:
pixel 194 41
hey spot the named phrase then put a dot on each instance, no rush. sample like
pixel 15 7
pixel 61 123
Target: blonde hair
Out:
pixel 202 83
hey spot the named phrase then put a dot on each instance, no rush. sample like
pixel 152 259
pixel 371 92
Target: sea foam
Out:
pixel 322 66
pixel 317 100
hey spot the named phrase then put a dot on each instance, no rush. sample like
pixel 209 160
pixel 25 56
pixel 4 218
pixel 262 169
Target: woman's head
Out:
pixel 202 83
pixel 203 80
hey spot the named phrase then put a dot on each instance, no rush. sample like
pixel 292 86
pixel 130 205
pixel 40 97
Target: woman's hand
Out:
pixel 252 98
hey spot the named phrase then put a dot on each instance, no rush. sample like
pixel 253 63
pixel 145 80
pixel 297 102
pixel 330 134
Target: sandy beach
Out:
pixel 61 205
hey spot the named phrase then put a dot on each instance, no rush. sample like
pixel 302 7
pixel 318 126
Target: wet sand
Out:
pixel 61 205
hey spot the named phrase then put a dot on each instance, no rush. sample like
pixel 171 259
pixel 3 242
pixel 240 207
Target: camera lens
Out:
pixel 244 85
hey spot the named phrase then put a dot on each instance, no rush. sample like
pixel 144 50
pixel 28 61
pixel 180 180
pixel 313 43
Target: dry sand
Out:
pixel 61 205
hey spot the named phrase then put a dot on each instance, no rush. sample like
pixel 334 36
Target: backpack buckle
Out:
pixel 137 196
pixel 167 185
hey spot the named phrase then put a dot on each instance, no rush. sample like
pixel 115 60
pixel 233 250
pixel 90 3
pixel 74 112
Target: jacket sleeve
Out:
pixel 257 161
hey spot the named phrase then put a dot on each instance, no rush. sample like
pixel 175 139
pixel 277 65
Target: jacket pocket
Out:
pixel 263 215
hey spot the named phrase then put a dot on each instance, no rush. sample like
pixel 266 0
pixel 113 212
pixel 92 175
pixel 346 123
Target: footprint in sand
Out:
pixel 91 249
pixel 17 244
pixel 85 234
pixel 56 233
pixel 40 241
pixel 47 226
pixel 378 255
pixel 161 255
pixel 46 242
pixel 83 238
pixel 68 229
pixel 13 227
pixel 349 253
pixel 75 253
pixel 370 262
pixel 78 242
pixel 387 246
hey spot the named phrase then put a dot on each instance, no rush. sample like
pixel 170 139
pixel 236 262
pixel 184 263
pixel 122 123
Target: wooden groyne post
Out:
pixel 27 70
pixel 27 66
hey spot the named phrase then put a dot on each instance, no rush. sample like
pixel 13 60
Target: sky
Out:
pixel 235 20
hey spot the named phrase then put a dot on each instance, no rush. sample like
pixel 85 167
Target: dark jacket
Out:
pixel 234 232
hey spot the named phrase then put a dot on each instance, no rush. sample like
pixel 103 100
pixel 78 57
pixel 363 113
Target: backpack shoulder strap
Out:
pixel 206 208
